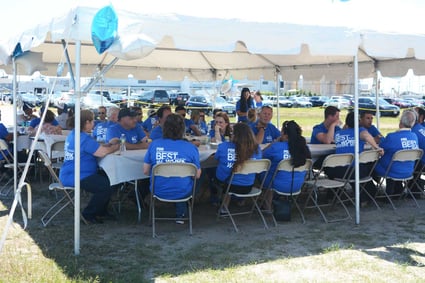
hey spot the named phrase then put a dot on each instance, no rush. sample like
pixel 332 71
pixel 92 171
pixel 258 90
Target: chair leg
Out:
pixel 363 189
pixel 254 199
pixel 294 199
pixel 153 217
pixel 189 208
pixel 139 208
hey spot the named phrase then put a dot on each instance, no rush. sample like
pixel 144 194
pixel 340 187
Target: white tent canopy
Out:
pixel 176 46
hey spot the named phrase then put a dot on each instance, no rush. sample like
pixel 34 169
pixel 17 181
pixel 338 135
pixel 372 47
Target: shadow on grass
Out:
pixel 124 250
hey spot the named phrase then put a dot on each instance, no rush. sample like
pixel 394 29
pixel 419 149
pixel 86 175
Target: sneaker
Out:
pixel 180 221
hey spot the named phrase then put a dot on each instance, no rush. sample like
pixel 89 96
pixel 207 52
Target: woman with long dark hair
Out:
pixel 244 104
pixel 232 155
pixel 292 145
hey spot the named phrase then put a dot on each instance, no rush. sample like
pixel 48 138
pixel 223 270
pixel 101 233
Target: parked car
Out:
pixel 318 100
pixel 179 98
pixel 199 102
pixel 153 98
pixel 283 101
pixel 105 93
pixel 93 101
pixel 339 103
pixel 385 108
pixel 221 103
pixel 300 101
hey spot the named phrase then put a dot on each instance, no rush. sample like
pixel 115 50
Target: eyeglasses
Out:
pixel 102 113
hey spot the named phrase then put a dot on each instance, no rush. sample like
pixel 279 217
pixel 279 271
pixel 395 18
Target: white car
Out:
pixel 93 101
pixel 339 103
pixel 300 101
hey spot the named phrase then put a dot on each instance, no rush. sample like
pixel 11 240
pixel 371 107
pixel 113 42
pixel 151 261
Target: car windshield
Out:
pixel 383 102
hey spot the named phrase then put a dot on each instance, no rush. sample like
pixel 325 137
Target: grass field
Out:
pixel 308 117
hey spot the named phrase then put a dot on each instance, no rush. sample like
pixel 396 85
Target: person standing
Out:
pixel 244 104
pixel 90 179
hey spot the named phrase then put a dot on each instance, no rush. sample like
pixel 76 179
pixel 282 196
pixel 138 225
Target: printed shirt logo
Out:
pixel 344 141
pixel 408 144
pixel 163 156
pixel 231 157
pixel 286 154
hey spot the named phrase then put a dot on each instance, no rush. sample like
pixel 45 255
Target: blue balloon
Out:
pixel 104 28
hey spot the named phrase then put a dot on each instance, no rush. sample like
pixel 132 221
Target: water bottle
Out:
pixel 122 143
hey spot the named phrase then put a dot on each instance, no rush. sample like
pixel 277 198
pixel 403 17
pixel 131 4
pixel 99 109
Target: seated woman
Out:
pixel 222 129
pixel 231 156
pixel 172 148
pixel 199 123
pixel 90 179
pixel 49 127
pixel 292 145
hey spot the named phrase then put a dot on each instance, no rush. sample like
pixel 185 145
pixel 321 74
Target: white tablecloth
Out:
pixel 318 150
pixel 128 166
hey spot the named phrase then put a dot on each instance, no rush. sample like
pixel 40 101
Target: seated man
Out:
pixel 26 116
pixel 190 125
pixel 404 138
pixel 135 138
pixel 324 132
pixel 264 130
pixel 99 131
pixel 365 121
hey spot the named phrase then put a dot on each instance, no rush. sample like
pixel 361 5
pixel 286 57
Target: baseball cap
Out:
pixel 151 112
pixel 126 112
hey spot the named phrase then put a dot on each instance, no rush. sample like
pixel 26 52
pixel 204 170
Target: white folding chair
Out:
pixel 168 170
pixel 403 155
pixel 322 184
pixel 285 165
pixel 249 167
pixel 56 186
pixel 8 159
pixel 418 182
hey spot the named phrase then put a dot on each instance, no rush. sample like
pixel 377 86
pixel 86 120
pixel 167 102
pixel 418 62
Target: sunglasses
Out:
pixel 102 113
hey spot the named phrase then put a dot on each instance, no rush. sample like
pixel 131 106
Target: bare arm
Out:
pixel 328 138
pixel 364 135
pixel 146 169
pixel 195 129
pixel 106 149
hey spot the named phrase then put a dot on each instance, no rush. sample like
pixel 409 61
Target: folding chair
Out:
pixel 57 186
pixel 419 172
pixel 403 155
pixel 249 167
pixel 285 165
pixel 321 183
pixel 168 170
pixel 9 164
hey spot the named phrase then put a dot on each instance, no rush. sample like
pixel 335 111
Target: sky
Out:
pixel 394 16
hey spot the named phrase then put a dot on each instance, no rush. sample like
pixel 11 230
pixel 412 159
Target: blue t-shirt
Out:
pixel 36 121
pixel 277 152
pixel 238 108
pixel 203 128
pixel 156 133
pixel 187 124
pixel 345 142
pixel 149 122
pixel 226 156
pixel 99 131
pixel 88 161
pixel 133 136
pixel 258 104
pixel 172 151
pixel 271 133
pixel 320 128
pixel 373 131
pixel 212 135
pixel 419 130
pixel 404 139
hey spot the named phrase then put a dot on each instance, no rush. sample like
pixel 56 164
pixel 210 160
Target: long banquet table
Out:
pixel 128 165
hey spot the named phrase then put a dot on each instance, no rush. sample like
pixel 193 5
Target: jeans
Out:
pixel 99 186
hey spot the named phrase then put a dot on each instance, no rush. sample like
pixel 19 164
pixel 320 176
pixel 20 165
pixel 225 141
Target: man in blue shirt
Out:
pixel 264 130
pixel 135 138
pixel 99 131
pixel 365 121
pixel 404 138
pixel 324 132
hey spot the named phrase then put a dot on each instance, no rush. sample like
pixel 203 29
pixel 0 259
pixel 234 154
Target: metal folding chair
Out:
pixel 322 184
pixel 403 155
pixel 57 186
pixel 168 170
pixel 285 165
pixel 249 167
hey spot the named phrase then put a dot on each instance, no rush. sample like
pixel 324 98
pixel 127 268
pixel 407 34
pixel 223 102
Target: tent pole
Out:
pixel 356 138
pixel 68 62
pixel 378 116
pixel 77 150
pixel 278 78
pixel 99 75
